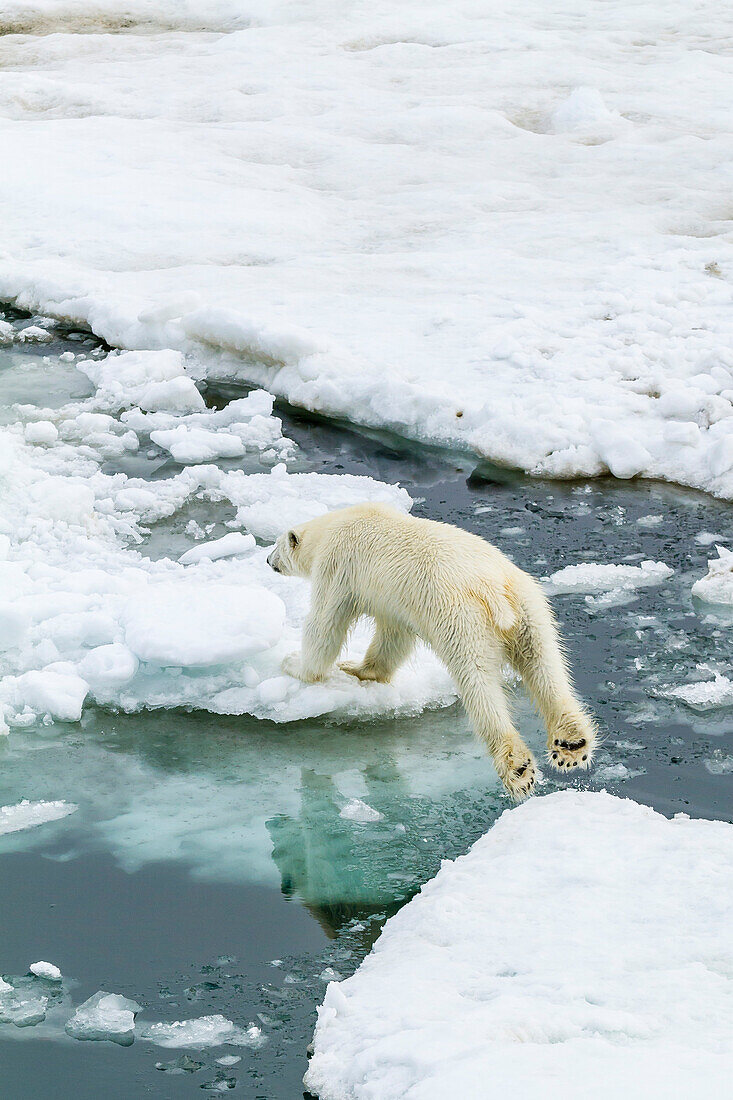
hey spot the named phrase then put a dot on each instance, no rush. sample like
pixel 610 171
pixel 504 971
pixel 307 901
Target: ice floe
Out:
pixel 366 213
pixel 88 616
pixel 27 815
pixel 615 972
pixel 717 586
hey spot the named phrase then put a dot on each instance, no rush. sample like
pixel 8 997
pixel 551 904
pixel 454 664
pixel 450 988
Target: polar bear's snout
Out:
pixel 273 560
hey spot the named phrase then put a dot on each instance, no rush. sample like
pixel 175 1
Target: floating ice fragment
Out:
pixel 705 695
pixel 598 578
pixel 192 445
pixel 356 810
pixel 46 970
pixel 34 334
pixel 26 815
pixel 5 987
pixel 7 333
pixel 105 1016
pixel 22 1009
pixel 717 586
pixel 184 1064
pixel 229 1060
pixel 205 1031
pixel 226 547
pixel 720 765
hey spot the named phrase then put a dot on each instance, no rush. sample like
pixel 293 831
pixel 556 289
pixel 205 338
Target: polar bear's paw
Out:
pixel 363 672
pixel 571 743
pixel 293 666
pixel 517 770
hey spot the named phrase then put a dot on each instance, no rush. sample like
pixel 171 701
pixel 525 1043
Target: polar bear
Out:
pixel 421 579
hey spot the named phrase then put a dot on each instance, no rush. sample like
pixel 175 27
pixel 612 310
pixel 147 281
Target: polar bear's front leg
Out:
pixel 324 634
pixel 390 647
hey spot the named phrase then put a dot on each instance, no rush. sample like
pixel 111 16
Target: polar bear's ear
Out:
pixel 293 539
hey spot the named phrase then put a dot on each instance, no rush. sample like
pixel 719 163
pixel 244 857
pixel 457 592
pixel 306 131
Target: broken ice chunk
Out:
pixel 46 970
pixel 226 547
pixel 26 815
pixel 205 1031
pixel 105 1016
pixel 22 1009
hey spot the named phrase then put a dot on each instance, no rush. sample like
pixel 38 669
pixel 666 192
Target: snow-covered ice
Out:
pixel 717 586
pixel 27 815
pixel 88 616
pixel 206 1031
pixel 606 584
pixel 385 212
pixel 578 941
pixel 105 1016
pixel 46 970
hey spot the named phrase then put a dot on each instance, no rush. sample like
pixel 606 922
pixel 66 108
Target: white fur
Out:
pixel 462 596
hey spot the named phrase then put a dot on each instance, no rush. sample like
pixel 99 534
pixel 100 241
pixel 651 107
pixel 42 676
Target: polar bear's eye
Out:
pixel 292 539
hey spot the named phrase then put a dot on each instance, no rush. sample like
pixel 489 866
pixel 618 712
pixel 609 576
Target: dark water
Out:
pixel 207 869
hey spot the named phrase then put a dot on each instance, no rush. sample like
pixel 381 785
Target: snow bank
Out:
pixel 86 615
pixel 579 941
pixel 26 815
pixel 383 212
pixel 717 586
pixel 606 584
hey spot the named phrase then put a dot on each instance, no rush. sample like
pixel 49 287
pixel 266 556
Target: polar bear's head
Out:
pixel 287 556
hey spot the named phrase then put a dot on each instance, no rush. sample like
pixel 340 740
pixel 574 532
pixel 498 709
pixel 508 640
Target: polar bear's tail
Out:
pixel 499 607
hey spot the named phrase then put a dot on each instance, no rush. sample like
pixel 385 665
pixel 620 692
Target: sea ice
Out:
pixel 86 615
pixel 206 1031
pixel 468 983
pixel 105 1016
pixel 26 815
pixel 367 202
pixel 717 586
pixel 46 970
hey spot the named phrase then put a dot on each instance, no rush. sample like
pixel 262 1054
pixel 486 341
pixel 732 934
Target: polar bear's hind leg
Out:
pixel 474 658
pixel 536 654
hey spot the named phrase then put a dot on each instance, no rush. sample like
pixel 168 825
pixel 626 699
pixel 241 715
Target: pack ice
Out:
pixel 86 614
pixel 578 942
pixel 383 212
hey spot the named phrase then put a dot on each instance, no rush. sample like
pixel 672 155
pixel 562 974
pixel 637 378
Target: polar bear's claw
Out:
pixel 519 780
